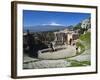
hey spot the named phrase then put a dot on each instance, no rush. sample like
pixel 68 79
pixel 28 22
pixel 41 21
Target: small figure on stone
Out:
pixel 76 50
pixel 73 44
pixel 70 41
pixel 52 46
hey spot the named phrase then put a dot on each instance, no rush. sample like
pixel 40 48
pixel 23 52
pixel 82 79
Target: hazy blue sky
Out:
pixel 32 18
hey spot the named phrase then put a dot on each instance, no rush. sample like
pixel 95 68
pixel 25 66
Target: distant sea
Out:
pixel 42 28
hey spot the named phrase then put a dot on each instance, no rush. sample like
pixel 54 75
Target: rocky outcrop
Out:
pixel 86 23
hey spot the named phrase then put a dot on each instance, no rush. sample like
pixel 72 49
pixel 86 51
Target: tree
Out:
pixel 78 26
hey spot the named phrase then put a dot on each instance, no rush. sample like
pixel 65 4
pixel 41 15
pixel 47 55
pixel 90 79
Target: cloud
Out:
pixel 53 23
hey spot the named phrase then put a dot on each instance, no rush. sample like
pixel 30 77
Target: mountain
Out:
pixel 70 27
pixel 41 28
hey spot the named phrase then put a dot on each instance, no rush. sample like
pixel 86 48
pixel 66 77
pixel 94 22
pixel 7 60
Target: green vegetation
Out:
pixel 83 43
pixel 78 26
pixel 79 63
pixel 86 37
pixel 75 63
pixel 82 47
pixel 47 36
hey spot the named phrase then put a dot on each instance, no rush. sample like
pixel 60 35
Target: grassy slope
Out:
pixel 86 38
pixel 84 44
pixel 84 41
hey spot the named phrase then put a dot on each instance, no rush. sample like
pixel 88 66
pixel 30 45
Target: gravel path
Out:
pixel 85 56
pixel 68 52
pixel 47 64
